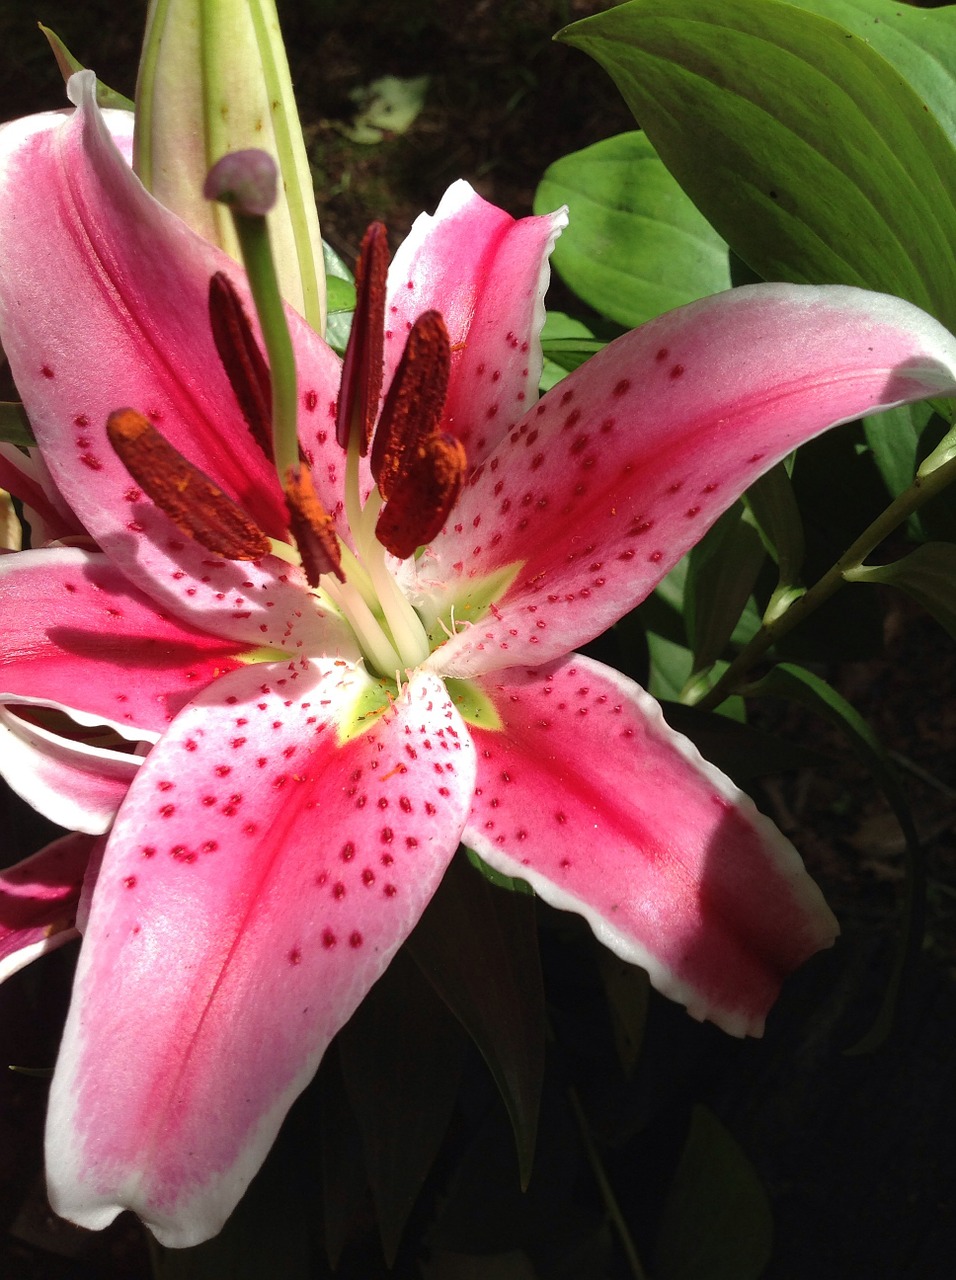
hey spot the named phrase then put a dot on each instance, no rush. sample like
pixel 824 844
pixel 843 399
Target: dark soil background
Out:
pixel 857 1153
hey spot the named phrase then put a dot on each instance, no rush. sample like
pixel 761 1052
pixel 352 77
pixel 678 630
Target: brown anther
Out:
pixel 312 527
pixel 413 407
pixel 362 369
pixel 243 361
pixel 182 491
pixel 422 495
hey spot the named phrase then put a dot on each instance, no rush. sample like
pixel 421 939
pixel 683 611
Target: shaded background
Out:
pixel 858 1155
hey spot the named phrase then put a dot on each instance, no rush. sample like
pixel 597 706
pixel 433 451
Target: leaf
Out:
pixel 894 438
pixel 478 947
pixel 800 144
pixel 401 1056
pixel 920 43
pixel 105 96
pixel 636 246
pixel 386 106
pixel 566 337
pixel 721 575
pixel 717 1223
pixel 739 750
pixel 340 292
pixel 15 425
pixel 774 507
pixel 799 685
pixel 344 1179
pixel 928 574
pixel 627 989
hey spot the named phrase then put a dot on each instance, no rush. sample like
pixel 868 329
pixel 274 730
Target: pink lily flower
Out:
pixel 301 797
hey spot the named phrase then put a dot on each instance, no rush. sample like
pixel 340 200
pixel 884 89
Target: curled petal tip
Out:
pixel 247 181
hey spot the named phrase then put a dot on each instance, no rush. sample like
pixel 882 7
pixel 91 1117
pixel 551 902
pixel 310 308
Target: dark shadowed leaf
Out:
pixel 344 1180
pixel 15 425
pixel 478 947
pixel 717 1223
pixel 928 574
pixel 401 1057
pixel 741 751
pixel 799 685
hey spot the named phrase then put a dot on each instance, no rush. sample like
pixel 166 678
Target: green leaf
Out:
pixel 720 579
pixel 928 574
pixel 15 425
pixel 565 343
pixel 800 144
pixel 717 1223
pixel 341 294
pixel 739 750
pixel 635 246
pixel 894 437
pixel 344 1178
pixel 627 989
pixel 340 287
pixel 799 685
pixel 105 96
pixel 401 1055
pixel 478 947
pixel 920 43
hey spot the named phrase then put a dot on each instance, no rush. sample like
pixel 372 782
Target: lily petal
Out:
pixel 588 795
pixel 76 785
pixel 28 479
pixel 39 899
pixel 81 638
pixel 139 278
pixel 487 274
pixel 624 465
pixel 266 865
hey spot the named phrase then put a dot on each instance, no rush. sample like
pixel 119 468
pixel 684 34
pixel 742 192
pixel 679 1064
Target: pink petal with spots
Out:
pixel 625 464
pixel 588 795
pixel 80 637
pixel 75 784
pixel 487 274
pixel 260 876
pixel 38 901
pixel 78 227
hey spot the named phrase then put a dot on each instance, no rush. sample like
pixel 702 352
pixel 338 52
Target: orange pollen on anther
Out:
pixel 312 527
pixel 422 495
pixel 362 369
pixel 182 491
pixel 415 401
pixel 244 363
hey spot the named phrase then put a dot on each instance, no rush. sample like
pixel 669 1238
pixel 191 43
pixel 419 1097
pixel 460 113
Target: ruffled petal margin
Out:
pixel 265 867
pixel 487 273
pixel 624 465
pixel 587 794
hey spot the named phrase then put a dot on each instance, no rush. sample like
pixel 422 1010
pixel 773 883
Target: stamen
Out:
pixel 422 495
pixel 415 400
pixel 242 360
pixel 312 527
pixel 362 369
pixel 182 491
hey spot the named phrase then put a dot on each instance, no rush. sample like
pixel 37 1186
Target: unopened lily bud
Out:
pixel 213 79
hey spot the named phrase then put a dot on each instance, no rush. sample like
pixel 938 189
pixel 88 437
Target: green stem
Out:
pixel 263 281
pixel 919 492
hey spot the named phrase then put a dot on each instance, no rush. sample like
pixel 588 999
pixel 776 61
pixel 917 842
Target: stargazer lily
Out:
pixel 322 737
